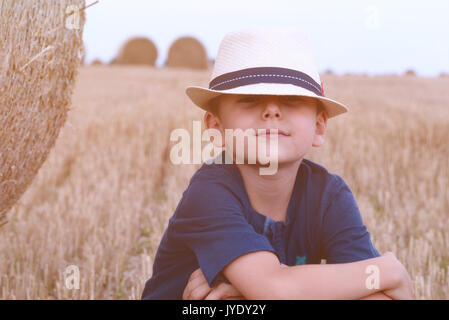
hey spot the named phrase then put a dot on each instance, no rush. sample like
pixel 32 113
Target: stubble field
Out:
pixel 103 198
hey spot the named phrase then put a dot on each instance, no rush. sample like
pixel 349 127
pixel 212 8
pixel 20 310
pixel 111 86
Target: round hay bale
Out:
pixel 137 50
pixel 187 52
pixel 96 62
pixel 41 50
pixel 410 73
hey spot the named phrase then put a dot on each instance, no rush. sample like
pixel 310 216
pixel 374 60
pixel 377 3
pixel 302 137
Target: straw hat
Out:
pixel 265 61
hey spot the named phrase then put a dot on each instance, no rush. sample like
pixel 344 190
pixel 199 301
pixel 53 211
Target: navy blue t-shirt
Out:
pixel 214 223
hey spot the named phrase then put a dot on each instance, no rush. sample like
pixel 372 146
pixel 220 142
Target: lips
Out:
pixel 270 131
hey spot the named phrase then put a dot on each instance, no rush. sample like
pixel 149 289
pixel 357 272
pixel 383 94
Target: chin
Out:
pixel 284 153
pixel 284 157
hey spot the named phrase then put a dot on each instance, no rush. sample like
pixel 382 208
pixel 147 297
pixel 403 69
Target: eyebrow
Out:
pixel 247 96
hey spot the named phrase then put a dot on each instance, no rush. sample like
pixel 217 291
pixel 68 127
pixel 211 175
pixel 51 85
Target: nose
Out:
pixel 271 110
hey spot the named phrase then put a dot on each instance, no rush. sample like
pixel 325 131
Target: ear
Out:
pixel 320 131
pixel 211 121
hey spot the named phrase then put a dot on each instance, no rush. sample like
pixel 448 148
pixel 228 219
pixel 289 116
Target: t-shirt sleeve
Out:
pixel 345 238
pixel 210 221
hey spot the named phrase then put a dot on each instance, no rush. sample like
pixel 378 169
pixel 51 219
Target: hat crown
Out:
pixel 277 61
pixel 263 47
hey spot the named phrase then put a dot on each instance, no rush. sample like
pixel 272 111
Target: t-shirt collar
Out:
pixel 292 202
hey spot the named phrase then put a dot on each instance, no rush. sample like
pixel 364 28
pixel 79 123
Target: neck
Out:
pixel 270 194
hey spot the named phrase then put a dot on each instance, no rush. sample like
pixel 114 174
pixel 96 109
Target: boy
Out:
pixel 263 236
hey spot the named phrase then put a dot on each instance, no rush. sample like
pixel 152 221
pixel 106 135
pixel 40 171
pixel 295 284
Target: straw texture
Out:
pixel 40 50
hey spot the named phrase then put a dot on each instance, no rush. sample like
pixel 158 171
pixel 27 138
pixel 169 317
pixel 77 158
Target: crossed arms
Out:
pixel 320 281
pixel 259 274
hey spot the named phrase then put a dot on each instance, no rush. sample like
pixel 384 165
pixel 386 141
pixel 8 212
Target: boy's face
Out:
pixel 295 115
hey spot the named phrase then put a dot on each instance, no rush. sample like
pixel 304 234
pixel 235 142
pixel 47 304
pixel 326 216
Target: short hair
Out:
pixel 214 104
pixel 320 106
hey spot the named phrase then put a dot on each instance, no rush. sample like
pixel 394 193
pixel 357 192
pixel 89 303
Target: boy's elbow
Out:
pixel 257 276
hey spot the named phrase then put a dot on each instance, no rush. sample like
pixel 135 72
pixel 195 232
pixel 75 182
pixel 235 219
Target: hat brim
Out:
pixel 201 96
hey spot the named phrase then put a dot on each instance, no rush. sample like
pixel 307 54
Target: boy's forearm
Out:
pixel 332 281
pixel 377 296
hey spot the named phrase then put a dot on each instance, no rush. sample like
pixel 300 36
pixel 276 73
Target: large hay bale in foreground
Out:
pixel 41 48
pixel 187 52
pixel 137 50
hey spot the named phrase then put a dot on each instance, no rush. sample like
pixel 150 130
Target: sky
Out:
pixel 347 36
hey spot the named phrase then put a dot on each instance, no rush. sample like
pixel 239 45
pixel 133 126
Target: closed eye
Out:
pixel 292 98
pixel 247 99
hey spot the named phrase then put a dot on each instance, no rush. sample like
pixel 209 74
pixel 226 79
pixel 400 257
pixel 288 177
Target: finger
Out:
pixel 231 291
pixel 235 298
pixel 196 292
pixel 222 291
pixel 195 274
pixel 199 293
pixel 191 285
pixel 197 278
pixel 217 292
pixel 194 284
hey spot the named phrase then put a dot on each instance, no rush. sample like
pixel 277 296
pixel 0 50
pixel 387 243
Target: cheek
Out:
pixel 239 121
pixel 304 132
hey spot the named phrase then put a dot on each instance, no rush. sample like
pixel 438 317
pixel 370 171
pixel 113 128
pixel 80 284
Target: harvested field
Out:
pixel 102 199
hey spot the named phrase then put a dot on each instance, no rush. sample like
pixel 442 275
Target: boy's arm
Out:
pixel 321 281
pixel 197 288
pixel 377 296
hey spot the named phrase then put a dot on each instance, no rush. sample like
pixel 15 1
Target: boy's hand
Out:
pixel 197 288
pixel 404 288
pixel 224 291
